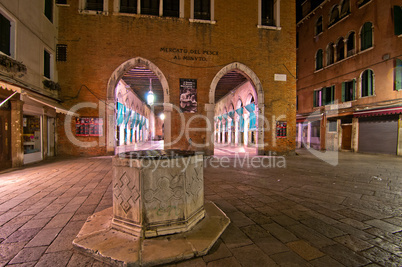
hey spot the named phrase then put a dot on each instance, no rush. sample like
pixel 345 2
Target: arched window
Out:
pixel 350 44
pixel 366 36
pixel 340 49
pixel 330 54
pixel 367 83
pixel 318 26
pixel 345 8
pixel 318 60
pixel 334 17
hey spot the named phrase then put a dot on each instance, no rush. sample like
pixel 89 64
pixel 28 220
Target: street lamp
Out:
pixel 150 96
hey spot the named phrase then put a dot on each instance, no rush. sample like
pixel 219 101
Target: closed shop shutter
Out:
pixel 378 134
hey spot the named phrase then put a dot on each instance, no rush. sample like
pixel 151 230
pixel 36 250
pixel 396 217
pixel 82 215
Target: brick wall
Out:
pixel 98 44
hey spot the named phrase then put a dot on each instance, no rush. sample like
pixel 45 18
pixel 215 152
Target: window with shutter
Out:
pixel 367 83
pixel 398 74
pixel 366 36
pixel 5 26
pixel 318 60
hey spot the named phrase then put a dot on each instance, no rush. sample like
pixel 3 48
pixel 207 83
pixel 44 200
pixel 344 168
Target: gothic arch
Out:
pixel 129 64
pixel 246 71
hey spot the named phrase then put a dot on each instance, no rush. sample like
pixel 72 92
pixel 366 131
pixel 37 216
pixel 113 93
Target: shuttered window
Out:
pixel 366 36
pixel 328 95
pixel 367 83
pixel 202 9
pixel 348 90
pixel 318 60
pixel 398 74
pixel 5 26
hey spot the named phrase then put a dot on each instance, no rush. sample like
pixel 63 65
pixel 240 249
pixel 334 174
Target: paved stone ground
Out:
pixel 307 214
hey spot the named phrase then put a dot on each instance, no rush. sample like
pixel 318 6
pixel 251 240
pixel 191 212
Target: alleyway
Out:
pixel 293 211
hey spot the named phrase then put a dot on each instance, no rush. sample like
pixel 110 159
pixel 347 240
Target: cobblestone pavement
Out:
pixel 306 214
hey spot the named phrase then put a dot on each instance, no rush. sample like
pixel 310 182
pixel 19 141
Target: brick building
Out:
pixel 349 75
pixel 28 81
pixel 190 53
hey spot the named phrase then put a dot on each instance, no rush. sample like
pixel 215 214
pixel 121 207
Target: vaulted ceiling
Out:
pixel 139 79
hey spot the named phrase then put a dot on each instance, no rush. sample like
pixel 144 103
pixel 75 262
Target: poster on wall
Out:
pixel 188 95
pixel 89 127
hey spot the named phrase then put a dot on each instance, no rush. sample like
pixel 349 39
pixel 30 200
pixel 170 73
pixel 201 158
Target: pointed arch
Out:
pixel 131 63
pixel 246 71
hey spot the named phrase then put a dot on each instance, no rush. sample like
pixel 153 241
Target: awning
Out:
pixel 53 104
pixel 10 87
pixel 378 112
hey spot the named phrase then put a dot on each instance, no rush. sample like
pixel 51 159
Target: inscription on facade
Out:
pixel 189 54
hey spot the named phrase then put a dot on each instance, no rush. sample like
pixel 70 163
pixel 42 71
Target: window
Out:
pixel 5 35
pixel 398 74
pixel 318 26
pixel 95 5
pixel 345 8
pixel 340 49
pixel 61 2
pixel 171 8
pixel 317 98
pixel 49 9
pixel 150 7
pixel 332 126
pixel 328 95
pixel 325 96
pixel 334 17
pixel 202 9
pixel 61 52
pixel 398 20
pixel 348 90
pixel 362 2
pixel 269 13
pixel 367 83
pixel 330 54
pixel 366 36
pixel 318 60
pixel 350 45
pixel 128 6
pixel 46 64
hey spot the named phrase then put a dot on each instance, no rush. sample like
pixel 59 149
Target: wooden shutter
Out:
pixel 354 89
pixel 343 91
pixel 398 74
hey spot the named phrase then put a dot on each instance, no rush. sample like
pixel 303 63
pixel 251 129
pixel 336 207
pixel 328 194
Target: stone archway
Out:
pixel 112 83
pixel 210 107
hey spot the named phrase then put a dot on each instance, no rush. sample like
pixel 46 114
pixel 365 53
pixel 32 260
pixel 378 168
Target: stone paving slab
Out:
pixel 307 214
